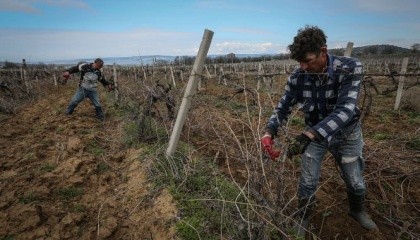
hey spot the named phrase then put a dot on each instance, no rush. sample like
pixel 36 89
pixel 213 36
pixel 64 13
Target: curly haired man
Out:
pixel 326 89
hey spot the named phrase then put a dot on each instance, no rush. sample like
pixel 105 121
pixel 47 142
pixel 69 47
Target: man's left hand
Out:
pixel 298 145
pixel 110 87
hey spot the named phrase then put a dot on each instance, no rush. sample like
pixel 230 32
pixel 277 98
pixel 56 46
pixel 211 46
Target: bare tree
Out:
pixel 415 47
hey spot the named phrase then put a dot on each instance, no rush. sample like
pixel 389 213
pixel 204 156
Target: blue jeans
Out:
pixel 346 146
pixel 80 95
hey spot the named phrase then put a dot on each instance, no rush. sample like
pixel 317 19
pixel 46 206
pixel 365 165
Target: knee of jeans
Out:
pixel 353 173
pixel 351 159
pixel 309 177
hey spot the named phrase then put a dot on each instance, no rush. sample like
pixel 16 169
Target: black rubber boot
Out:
pixel 358 212
pixel 306 206
pixel 99 113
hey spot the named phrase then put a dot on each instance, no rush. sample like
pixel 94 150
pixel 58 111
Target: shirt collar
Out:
pixel 330 69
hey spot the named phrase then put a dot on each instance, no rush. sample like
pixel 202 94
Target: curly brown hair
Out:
pixel 99 61
pixel 309 39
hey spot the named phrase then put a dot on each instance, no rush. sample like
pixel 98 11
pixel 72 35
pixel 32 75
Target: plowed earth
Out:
pixel 68 177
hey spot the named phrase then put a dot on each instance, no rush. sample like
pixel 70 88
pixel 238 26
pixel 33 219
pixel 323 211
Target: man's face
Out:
pixel 314 62
pixel 97 65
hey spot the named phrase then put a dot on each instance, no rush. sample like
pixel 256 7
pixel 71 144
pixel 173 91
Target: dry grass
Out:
pixel 223 128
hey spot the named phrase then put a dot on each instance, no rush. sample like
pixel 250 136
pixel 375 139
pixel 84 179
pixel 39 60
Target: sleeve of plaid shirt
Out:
pixel 345 108
pixel 285 106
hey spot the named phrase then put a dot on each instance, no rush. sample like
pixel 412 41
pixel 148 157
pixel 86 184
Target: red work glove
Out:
pixel 267 145
pixel 66 75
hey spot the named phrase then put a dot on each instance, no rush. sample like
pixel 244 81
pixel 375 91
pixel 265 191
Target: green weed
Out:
pixel 298 121
pixel 405 236
pixel 380 136
pixel 101 167
pixel 78 207
pixel 208 202
pixel 47 167
pixel 414 144
pixel 413 117
pixel 94 148
pixel 29 156
pixel 382 208
pixel 130 136
pixel 8 237
pixel 70 192
pixel 388 116
pixel 30 197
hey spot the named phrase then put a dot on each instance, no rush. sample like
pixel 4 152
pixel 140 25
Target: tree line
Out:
pixel 370 50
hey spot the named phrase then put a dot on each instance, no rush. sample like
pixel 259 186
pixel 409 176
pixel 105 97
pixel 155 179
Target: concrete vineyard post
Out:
pixel 171 70
pixel 349 49
pixel 401 83
pixel 115 82
pixel 189 91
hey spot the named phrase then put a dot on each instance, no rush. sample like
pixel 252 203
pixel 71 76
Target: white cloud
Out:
pixel 46 45
pixel 232 6
pixel 29 6
pixel 389 5
pixel 243 47
pixel 17 6
pixel 43 45
pixel 247 31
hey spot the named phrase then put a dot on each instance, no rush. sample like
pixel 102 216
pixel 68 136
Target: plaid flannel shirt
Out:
pixel 328 100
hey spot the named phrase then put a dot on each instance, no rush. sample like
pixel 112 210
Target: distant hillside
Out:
pixel 375 49
pixel 383 49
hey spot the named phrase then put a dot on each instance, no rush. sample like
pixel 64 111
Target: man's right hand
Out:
pixel 267 145
pixel 66 75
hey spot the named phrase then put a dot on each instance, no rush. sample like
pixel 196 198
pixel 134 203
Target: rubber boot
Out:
pixel 306 206
pixel 99 113
pixel 70 109
pixel 358 212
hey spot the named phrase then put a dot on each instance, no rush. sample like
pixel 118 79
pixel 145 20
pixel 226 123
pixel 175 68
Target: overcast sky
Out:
pixel 45 30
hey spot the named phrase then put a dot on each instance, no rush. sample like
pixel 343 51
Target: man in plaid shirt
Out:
pixel 326 89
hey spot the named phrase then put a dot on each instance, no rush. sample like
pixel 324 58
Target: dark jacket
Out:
pixel 89 76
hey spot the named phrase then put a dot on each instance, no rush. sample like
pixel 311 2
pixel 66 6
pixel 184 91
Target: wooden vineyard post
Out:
pixel 55 79
pixel 222 76
pixel 25 80
pixel 207 72
pixel 144 74
pixel 259 79
pixel 349 49
pixel 189 91
pixel 260 76
pixel 199 84
pixel 401 83
pixel 115 82
pixel 171 70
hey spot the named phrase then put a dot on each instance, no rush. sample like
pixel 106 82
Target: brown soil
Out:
pixel 391 168
pixel 72 178
pixel 69 177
